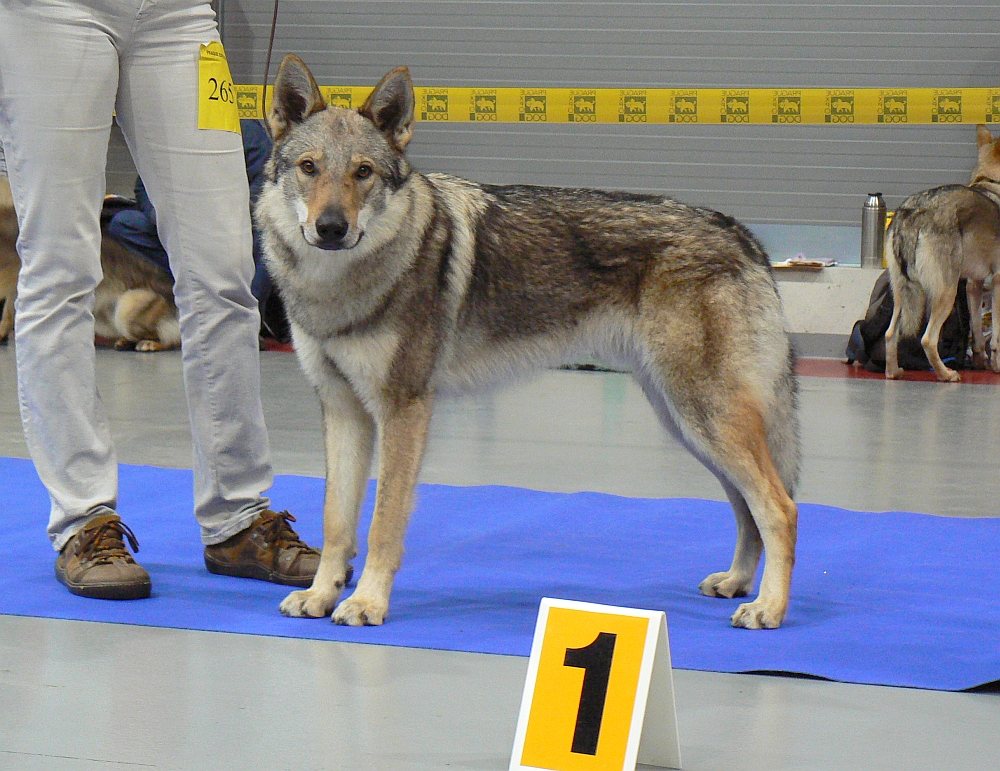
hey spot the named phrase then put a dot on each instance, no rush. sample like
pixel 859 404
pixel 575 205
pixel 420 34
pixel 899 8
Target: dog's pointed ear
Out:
pixel 390 107
pixel 296 97
pixel 983 136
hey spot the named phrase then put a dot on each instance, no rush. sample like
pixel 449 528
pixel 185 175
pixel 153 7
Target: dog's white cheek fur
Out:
pixel 302 211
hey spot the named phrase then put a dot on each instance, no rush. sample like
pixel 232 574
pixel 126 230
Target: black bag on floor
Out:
pixel 867 343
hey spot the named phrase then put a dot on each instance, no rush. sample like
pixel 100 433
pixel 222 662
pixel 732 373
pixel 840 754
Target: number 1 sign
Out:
pixel 599 694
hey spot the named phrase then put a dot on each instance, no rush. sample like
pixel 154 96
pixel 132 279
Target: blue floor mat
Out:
pixel 892 599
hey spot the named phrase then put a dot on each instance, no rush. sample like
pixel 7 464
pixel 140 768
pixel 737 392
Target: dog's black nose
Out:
pixel 331 227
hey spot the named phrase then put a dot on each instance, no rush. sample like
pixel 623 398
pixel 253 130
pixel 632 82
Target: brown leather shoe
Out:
pixel 95 562
pixel 268 550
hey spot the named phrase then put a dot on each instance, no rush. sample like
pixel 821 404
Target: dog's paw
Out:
pixel 149 346
pixel 894 374
pixel 949 376
pixel 756 615
pixel 358 611
pixel 726 585
pixel 980 360
pixel 308 603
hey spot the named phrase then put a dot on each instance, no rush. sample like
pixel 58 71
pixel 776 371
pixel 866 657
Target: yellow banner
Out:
pixel 800 106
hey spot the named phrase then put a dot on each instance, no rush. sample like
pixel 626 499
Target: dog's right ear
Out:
pixel 296 97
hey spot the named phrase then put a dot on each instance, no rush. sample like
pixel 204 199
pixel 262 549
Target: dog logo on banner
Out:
pixel 484 105
pixel 947 107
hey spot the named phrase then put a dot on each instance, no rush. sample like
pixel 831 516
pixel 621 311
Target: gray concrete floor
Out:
pixel 77 695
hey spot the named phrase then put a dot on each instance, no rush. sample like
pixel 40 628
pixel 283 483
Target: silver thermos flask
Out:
pixel 872 231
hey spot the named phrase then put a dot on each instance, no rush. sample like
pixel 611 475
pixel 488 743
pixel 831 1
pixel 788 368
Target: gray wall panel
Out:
pixel 795 175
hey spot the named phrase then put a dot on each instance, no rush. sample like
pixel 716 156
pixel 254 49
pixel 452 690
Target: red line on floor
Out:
pixel 839 368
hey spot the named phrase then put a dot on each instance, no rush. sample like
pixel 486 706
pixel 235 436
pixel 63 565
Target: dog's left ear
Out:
pixel 296 97
pixel 390 107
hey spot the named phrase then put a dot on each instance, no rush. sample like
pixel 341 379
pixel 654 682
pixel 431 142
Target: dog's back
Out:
pixel 937 237
pixel 645 282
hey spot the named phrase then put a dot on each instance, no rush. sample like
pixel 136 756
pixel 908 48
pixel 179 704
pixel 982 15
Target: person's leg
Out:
pixel 55 119
pixel 197 181
pixel 138 232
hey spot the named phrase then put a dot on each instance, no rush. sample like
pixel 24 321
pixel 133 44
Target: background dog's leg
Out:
pixel 349 440
pixel 403 436
pixel 995 327
pixel 940 310
pixel 892 369
pixel 974 294
pixel 8 280
pixel 7 319
pixel 738 580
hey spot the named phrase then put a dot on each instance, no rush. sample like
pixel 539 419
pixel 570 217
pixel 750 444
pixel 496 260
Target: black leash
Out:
pixel 267 64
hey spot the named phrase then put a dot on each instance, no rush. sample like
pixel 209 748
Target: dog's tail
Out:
pixel 900 256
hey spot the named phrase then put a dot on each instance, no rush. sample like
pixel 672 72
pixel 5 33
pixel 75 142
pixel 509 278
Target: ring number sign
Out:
pixel 599 691
pixel 216 93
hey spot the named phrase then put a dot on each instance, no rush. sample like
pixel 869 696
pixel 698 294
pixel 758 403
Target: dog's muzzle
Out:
pixel 333 231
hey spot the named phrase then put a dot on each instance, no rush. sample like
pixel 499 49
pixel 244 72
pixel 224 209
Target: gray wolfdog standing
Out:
pixel 401 287
pixel 936 238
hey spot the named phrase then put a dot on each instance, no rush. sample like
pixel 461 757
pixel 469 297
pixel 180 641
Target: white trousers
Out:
pixel 65 66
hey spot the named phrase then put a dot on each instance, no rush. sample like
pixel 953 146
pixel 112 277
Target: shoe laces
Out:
pixel 278 530
pixel 106 542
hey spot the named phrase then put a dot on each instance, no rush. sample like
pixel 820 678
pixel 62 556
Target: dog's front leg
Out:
pixel 349 439
pixel 403 434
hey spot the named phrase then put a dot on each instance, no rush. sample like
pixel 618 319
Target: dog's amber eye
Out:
pixel 308 167
pixel 364 171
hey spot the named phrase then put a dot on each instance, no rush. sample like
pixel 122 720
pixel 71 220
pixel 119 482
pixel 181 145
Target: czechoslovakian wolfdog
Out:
pixel 402 286
pixel 133 304
pixel 936 238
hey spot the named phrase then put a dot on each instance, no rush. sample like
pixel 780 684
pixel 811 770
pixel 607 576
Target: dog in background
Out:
pixel 401 287
pixel 936 238
pixel 133 305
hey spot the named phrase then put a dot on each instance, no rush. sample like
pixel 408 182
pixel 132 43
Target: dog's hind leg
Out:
pixel 892 369
pixel 940 310
pixel 403 436
pixel 349 441
pixel 724 425
pixel 738 580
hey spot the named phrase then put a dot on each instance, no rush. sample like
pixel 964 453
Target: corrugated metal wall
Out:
pixel 790 175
